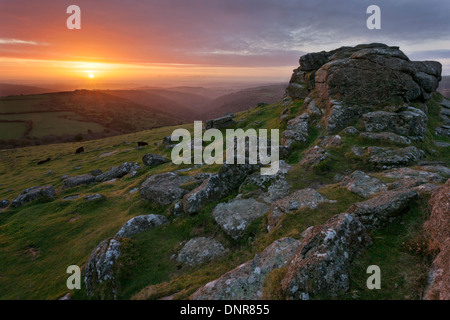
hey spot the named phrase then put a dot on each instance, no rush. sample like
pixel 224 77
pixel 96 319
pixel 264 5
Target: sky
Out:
pixel 174 40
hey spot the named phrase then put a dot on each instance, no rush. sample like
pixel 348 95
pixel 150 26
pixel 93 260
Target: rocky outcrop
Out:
pixel 383 209
pixel 140 224
pixel 236 215
pixel 322 263
pixel 78 180
pixel 34 193
pixel 438 228
pixel 164 188
pixel 372 79
pixel 152 160
pixel 297 200
pixel 200 250
pixel 246 281
pixel 362 184
pixel 119 172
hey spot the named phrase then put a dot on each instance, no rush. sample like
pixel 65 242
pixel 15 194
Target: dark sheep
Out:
pixel 142 144
pixel 79 150
pixel 44 161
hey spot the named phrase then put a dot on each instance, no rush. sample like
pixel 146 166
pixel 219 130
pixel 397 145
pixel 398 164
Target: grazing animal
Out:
pixel 142 144
pixel 79 150
pixel 44 161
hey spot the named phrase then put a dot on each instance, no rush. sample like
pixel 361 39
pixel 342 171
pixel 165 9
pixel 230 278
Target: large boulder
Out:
pixel 438 228
pixel 217 186
pixel 200 250
pixel 411 123
pixel 236 215
pixel 246 281
pixel 223 122
pixel 322 263
pixel 78 180
pixel 304 198
pixel 119 172
pixel 100 270
pixel 140 224
pixel 164 188
pixel 362 184
pixel 383 209
pixel 34 193
pixel 152 160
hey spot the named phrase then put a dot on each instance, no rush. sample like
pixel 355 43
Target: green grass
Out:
pixel 403 271
pixel 12 130
pixel 40 240
pixel 53 123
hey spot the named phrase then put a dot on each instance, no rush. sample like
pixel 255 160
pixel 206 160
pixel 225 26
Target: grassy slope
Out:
pixel 38 241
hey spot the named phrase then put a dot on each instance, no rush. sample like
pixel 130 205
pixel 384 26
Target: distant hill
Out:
pixel 243 100
pixel 177 104
pixel 444 86
pixel 15 89
pixel 73 116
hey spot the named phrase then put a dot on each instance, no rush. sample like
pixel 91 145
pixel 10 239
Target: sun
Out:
pixel 91 75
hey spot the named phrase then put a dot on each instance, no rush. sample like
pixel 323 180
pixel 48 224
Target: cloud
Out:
pixel 16 41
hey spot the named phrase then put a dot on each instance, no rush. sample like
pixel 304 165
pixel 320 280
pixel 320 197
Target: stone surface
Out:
pixel 219 123
pixel 386 137
pixel 362 184
pixel 78 180
pixel 405 173
pixel 140 224
pixel 438 227
pixel 245 282
pixel 386 158
pixel 270 187
pixel 313 156
pixel 236 215
pixel 4 203
pixel 331 141
pixel 164 188
pixel 151 159
pixel 229 179
pixel 33 193
pixel 93 197
pixel 297 130
pixel 295 201
pixel 322 263
pixel 383 209
pixel 100 269
pixel 200 250
pixel 411 123
pixel 119 172
pixel 351 131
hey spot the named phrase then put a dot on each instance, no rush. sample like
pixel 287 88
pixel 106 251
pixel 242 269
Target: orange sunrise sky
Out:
pixel 172 40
